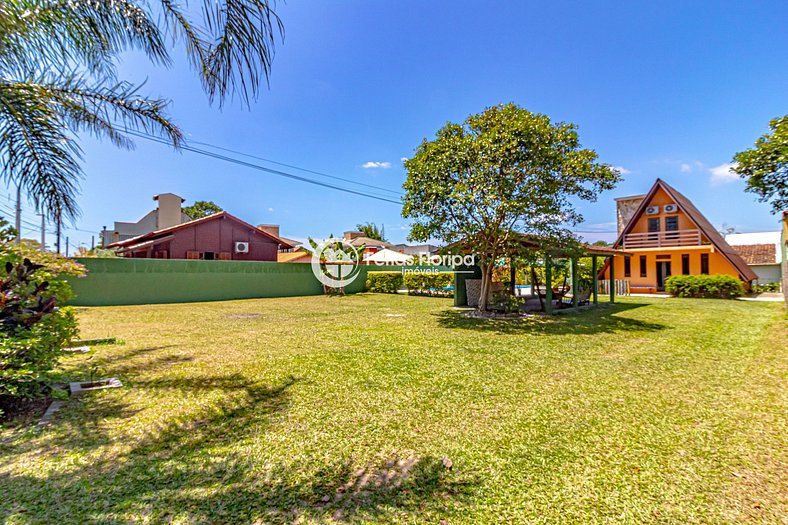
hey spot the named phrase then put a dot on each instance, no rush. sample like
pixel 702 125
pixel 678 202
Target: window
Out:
pixel 653 224
pixel 704 263
pixel 627 266
pixel 672 223
pixel 685 270
pixel 208 256
pixel 643 268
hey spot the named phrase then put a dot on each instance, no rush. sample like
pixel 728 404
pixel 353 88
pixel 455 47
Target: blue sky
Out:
pixel 662 89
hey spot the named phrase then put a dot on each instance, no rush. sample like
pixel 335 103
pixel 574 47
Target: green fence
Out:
pixel 150 281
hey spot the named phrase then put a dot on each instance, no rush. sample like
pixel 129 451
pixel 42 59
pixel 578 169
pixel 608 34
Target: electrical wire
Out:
pixel 263 168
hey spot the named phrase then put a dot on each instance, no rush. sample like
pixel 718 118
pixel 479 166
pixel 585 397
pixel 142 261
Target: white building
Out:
pixel 168 213
pixel 762 252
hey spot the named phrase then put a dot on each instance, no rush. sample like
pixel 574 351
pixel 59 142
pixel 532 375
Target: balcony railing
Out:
pixel 662 239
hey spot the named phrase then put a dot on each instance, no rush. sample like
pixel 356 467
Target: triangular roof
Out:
pixel 700 221
pixel 220 215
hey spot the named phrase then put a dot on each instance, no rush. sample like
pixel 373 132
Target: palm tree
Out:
pixel 58 78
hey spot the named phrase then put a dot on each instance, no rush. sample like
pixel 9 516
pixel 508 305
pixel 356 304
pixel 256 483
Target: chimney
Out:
pixel 271 229
pixel 625 209
pixel 349 236
pixel 169 212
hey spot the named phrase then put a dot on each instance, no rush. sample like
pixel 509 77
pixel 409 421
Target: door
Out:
pixel 663 272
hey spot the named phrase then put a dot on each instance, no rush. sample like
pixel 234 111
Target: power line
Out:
pixel 262 168
pixel 395 192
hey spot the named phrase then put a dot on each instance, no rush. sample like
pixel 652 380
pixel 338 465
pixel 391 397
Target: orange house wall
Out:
pixel 718 265
pixel 660 199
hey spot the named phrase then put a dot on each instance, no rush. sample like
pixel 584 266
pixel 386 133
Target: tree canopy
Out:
pixel 765 166
pixel 371 230
pixel 58 77
pixel 201 209
pixel 501 172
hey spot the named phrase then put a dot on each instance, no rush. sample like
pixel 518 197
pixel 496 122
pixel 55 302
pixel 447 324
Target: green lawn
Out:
pixel 322 409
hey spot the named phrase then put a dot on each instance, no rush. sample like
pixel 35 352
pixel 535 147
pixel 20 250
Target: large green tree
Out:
pixel 201 209
pixel 501 172
pixel 371 230
pixel 58 77
pixel 765 166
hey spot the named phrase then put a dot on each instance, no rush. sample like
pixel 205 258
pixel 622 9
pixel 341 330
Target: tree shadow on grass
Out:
pixel 601 319
pixel 192 470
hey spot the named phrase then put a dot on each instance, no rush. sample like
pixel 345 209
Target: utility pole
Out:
pixel 57 232
pixel 92 242
pixel 66 245
pixel 18 223
pixel 43 232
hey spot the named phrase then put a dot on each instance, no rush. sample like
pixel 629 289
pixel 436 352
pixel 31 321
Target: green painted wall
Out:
pixel 150 281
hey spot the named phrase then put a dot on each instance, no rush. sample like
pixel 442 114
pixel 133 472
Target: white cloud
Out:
pixel 622 170
pixel 375 165
pixel 685 168
pixel 723 173
pixel 403 159
pixel 270 210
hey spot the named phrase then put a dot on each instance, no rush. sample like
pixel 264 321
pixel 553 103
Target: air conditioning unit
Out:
pixel 652 210
pixel 671 208
pixel 241 247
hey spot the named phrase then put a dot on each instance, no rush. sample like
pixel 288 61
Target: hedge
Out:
pixel 384 282
pixel 704 286
pixel 431 283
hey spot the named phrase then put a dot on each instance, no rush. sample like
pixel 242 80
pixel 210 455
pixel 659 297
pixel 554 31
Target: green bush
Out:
pixel 430 283
pixel 704 286
pixel 33 330
pixel 27 355
pixel 384 282
pixel 767 287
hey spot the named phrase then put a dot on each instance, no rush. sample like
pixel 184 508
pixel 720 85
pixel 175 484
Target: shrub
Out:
pixel 704 286
pixel 32 329
pixel 384 282
pixel 767 287
pixel 429 283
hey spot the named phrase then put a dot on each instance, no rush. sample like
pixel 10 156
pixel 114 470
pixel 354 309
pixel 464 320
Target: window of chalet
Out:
pixel 643 267
pixel 685 264
pixel 627 266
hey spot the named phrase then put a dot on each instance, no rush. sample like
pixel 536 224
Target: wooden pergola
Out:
pixel 525 243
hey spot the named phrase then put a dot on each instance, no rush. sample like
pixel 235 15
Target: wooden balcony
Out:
pixel 662 239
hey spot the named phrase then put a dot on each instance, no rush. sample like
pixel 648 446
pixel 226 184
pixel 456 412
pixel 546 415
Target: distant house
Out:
pixel 358 239
pixel 168 213
pixel 424 250
pixel 667 235
pixel 220 236
pixel 762 251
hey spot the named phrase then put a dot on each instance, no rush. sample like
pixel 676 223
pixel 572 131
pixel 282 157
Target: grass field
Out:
pixel 396 409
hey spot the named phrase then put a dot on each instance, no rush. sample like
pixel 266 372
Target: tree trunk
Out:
pixel 486 284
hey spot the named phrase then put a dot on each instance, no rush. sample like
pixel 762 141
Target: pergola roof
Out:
pixel 532 242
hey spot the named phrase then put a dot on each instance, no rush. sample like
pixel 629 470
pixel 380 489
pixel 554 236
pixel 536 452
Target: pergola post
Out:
pixel 612 280
pixel 548 277
pixel 595 277
pixel 575 294
pixel 512 276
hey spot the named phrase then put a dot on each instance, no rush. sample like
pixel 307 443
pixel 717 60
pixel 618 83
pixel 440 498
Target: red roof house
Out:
pixel 220 236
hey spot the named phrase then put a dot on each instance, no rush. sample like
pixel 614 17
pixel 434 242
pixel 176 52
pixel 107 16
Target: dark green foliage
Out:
pixel 429 283
pixel 32 331
pixel 201 209
pixel 704 286
pixel 765 166
pixel 371 230
pixel 768 287
pixel 22 301
pixel 384 282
